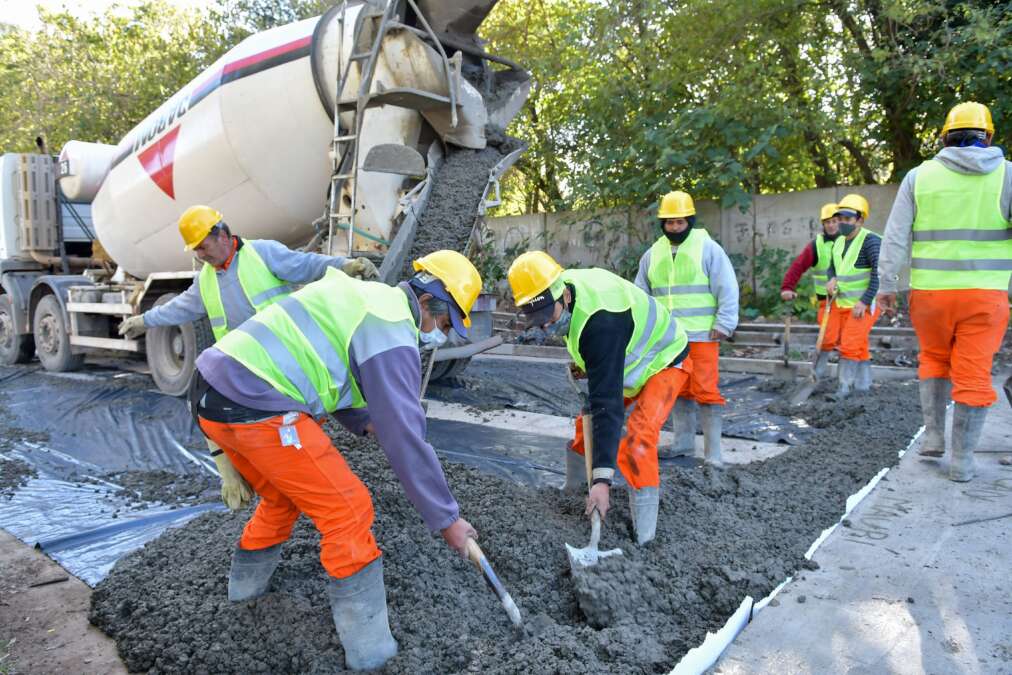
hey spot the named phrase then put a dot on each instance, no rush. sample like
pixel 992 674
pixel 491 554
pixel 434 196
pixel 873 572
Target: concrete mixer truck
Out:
pixel 374 129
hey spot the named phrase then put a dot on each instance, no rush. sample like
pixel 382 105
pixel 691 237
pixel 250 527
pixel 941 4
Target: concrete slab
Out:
pixel 908 587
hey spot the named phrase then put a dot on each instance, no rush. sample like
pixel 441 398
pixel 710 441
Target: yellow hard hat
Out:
pixel 968 115
pixel 196 223
pixel 828 211
pixel 531 274
pixel 460 279
pixel 676 204
pixel 854 202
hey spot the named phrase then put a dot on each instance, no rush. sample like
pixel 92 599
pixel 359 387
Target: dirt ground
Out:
pixel 44 629
pixel 721 535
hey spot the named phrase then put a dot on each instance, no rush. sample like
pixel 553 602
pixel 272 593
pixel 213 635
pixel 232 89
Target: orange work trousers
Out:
pixel 704 379
pixel 313 479
pixel 959 332
pixel 637 451
pixel 848 334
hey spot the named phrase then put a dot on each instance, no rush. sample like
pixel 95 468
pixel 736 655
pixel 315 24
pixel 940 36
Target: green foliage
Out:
pixel 763 299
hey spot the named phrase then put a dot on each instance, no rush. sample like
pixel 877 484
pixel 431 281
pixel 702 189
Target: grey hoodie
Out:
pixel 897 241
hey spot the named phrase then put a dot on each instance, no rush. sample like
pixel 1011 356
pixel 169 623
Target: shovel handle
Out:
pixel 595 529
pixel 477 556
pixel 787 338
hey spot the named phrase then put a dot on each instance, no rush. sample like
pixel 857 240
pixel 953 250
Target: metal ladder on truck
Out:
pixel 345 144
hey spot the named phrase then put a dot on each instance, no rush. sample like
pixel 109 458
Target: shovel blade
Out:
pixel 589 556
pixel 802 393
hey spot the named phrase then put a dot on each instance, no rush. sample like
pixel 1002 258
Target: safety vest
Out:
pixel 680 284
pixel 851 281
pixel 961 237
pixel 824 251
pixel 299 345
pixel 258 283
pixel 656 340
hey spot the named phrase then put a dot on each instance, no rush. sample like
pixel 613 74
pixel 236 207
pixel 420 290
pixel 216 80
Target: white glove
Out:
pixel 361 268
pixel 132 327
pixel 235 491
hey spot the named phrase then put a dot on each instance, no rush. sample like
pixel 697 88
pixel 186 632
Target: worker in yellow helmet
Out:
pixel 633 352
pixel 691 276
pixel 952 224
pixel 239 278
pixel 817 255
pixel 326 349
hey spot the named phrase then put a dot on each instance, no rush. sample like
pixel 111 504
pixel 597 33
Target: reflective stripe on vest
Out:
pixel 300 345
pixel 258 284
pixel 656 340
pixel 851 281
pixel 961 237
pixel 680 284
pixel 824 255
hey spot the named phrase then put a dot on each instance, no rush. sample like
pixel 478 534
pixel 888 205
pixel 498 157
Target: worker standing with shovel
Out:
pixel 633 353
pixel 952 223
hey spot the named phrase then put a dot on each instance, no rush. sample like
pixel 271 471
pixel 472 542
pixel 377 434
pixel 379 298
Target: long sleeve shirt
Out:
pixel 867 259
pixel 807 259
pixel 897 242
pixel 295 267
pixel 723 284
pixel 385 363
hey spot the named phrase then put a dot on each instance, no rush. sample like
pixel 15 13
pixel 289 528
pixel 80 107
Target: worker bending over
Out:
pixel 816 256
pixel 952 223
pixel 328 348
pixel 691 276
pixel 238 279
pixel 633 353
pixel 853 278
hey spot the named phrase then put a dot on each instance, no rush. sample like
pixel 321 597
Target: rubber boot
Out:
pixel 846 371
pixel 713 423
pixel 251 572
pixel 862 381
pixel 576 472
pixel 935 393
pixel 643 506
pixel 967 422
pixel 821 365
pixel 359 606
pixel 683 424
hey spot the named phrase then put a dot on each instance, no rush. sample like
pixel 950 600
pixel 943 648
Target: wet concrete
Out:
pixel 13 474
pixel 721 535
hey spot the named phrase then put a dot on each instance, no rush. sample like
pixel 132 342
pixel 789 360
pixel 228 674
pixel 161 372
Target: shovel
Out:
pixel 477 556
pixel 785 371
pixel 801 394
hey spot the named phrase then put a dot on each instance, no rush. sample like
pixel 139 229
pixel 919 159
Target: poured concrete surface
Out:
pixel 906 588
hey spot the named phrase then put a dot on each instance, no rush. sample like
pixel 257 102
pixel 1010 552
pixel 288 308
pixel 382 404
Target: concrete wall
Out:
pixel 614 239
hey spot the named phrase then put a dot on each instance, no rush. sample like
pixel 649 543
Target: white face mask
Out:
pixel 433 338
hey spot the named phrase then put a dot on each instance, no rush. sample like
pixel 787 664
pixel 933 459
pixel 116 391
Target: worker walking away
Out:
pixel 632 351
pixel 817 256
pixel 952 223
pixel 328 348
pixel 238 279
pixel 853 277
pixel 691 276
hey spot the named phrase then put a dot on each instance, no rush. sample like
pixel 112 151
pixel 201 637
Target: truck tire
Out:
pixel 14 348
pixel 173 350
pixel 52 338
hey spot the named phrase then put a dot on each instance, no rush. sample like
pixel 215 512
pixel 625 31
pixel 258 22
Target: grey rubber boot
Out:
pixel 251 572
pixel 821 365
pixel 967 422
pixel 862 381
pixel 359 606
pixel 846 372
pixel 713 424
pixel 576 471
pixel 935 393
pixel 643 506
pixel 683 424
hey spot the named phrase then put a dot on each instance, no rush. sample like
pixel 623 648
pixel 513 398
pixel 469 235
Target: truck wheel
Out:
pixel 14 348
pixel 52 339
pixel 173 350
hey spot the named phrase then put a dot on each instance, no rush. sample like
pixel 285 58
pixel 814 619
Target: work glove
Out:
pixel 360 268
pixel 235 491
pixel 132 327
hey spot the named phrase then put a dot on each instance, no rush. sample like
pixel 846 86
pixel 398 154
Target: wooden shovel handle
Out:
pixel 824 324
pixel 474 552
pixel 588 449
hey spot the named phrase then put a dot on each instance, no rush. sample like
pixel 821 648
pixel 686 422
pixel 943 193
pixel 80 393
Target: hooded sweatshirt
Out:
pixel 898 239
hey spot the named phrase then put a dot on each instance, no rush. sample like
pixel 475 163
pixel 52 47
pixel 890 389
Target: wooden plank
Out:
pixel 119 309
pixel 737 364
pixel 105 343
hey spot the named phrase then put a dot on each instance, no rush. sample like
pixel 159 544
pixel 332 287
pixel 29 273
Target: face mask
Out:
pixel 433 339
pixel 561 327
pixel 847 229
